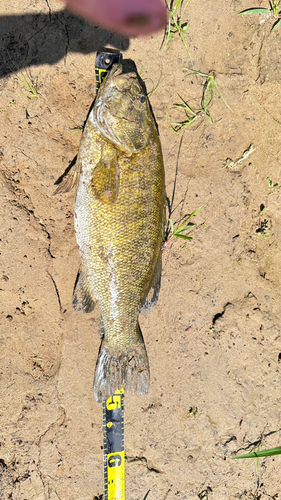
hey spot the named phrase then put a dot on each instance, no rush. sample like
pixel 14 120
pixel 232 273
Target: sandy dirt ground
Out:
pixel 213 340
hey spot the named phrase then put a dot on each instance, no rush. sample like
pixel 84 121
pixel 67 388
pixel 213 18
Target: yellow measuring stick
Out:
pixel 113 447
pixel 113 408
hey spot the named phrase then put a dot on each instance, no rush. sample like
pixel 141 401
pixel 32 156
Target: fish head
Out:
pixel 121 111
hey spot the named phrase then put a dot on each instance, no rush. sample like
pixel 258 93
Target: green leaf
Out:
pixel 209 118
pixel 172 225
pixel 185 105
pixel 180 228
pixel 170 36
pixel 177 4
pixel 274 7
pixel 195 211
pixel 185 229
pixel 196 72
pixel 254 11
pixel 262 453
pixel 276 24
pixel 178 235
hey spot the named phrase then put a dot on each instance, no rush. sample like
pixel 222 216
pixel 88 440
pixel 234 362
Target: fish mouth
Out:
pixel 123 69
pixel 117 69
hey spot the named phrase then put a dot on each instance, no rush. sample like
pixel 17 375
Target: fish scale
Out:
pixel 126 229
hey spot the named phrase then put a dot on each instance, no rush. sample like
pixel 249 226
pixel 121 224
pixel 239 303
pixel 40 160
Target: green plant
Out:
pixel 30 85
pixel 263 453
pixel 27 80
pixel 79 128
pixel 154 88
pixel 184 226
pixel 175 24
pixel 190 116
pixel 273 11
pixel 209 88
pixel 272 185
pixel 149 94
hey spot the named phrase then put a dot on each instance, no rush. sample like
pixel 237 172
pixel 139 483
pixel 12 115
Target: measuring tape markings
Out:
pixel 114 451
pixel 100 75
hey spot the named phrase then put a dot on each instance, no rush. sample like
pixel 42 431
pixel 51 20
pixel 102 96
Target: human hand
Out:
pixel 129 17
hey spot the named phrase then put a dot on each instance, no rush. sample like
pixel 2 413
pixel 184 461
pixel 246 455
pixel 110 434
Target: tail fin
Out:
pixel 116 367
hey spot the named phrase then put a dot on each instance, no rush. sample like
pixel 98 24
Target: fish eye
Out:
pixel 141 98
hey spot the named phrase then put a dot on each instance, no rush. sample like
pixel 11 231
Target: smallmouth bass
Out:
pixel 119 218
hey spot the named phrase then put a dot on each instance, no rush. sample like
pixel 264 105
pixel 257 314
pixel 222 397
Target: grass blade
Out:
pixel 196 72
pixel 194 213
pixel 181 229
pixel 183 236
pixel 172 225
pixel 189 217
pixel 186 229
pixel 276 24
pixel 254 11
pixel 262 453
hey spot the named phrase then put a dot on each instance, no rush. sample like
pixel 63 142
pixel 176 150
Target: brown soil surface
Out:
pixel 214 338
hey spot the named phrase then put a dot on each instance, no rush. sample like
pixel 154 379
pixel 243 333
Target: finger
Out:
pixel 129 17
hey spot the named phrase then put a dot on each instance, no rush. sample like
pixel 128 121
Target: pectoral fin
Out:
pixel 69 179
pixel 82 300
pixel 105 179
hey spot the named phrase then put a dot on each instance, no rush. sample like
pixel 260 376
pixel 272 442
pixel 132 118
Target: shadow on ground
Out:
pixel 36 39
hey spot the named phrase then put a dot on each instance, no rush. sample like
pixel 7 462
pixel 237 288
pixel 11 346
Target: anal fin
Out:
pixel 82 300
